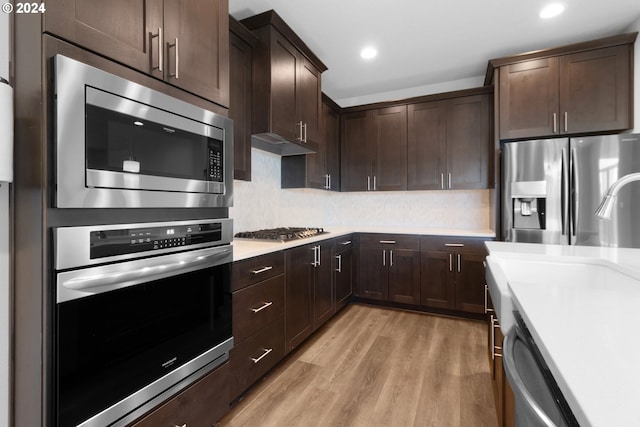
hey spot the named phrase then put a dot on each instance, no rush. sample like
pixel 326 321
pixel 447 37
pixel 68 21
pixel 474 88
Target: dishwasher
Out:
pixel 538 400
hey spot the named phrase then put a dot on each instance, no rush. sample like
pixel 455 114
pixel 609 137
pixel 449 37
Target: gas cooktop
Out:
pixel 282 234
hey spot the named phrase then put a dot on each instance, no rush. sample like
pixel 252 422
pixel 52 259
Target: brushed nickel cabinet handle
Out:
pixel 391 258
pixel 492 338
pixel 442 181
pixel 160 60
pixel 262 270
pixel 458 263
pixel 449 180
pixel 374 183
pixel 262 307
pixel 177 47
pixel 566 121
pixel 368 183
pixel 384 257
pixel 454 245
pixel 266 351
pixel 555 123
pixel 339 258
pixel 305 133
pixel 487 310
pixel 348 242
pixel 388 242
pixel 450 262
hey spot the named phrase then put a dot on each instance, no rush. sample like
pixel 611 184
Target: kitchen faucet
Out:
pixel 606 206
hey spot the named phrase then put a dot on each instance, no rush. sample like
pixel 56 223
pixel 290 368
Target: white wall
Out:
pixel 636 69
pixel 4 250
pixel 262 204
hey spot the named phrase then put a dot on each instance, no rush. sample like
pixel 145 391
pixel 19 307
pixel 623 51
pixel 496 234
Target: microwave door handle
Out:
pixel 96 280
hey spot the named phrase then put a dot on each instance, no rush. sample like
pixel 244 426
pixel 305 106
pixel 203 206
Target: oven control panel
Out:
pixel 107 243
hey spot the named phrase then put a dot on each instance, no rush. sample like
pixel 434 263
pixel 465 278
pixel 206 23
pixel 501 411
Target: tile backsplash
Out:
pixel 261 203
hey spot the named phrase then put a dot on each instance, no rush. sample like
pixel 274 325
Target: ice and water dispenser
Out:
pixel 529 204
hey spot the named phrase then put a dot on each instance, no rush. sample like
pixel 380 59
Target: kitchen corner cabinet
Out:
pixel 449 143
pixel 202 403
pixel 241 42
pixel 452 273
pixel 308 291
pixel 322 169
pixel 584 92
pixel 286 82
pixel 258 320
pixel 389 268
pixel 184 44
pixel 343 270
pixel 374 149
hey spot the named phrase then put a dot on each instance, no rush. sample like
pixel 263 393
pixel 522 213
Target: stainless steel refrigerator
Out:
pixel 551 189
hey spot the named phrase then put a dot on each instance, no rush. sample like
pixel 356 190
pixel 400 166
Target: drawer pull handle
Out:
pixel 348 242
pixel 388 242
pixel 266 351
pixel 183 425
pixel 455 245
pixel 262 270
pixel 262 307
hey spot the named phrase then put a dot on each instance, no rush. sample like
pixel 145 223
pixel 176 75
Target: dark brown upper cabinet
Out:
pixel 449 142
pixel 241 42
pixel 183 43
pixel 577 89
pixel 286 83
pixel 320 169
pixel 374 149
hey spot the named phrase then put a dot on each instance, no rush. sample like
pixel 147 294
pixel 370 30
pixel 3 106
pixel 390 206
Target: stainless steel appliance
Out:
pixel 120 144
pixel 282 234
pixel 538 399
pixel 142 311
pixel 552 189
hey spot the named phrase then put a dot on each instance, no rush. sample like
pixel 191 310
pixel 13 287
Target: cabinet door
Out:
pixel 356 152
pixel 284 72
pixel 427 145
pixel 373 281
pixel 323 294
pixel 343 277
pixel 240 105
pixel 298 295
pixel 332 146
pixel 436 288
pixel 390 148
pixel 197 47
pixel 470 279
pixel 468 142
pixel 309 99
pixel 595 92
pixel 118 29
pixel 529 99
pixel 317 163
pixel 404 276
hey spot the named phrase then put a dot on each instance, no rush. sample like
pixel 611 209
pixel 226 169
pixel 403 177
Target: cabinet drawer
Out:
pixel 256 306
pixel 344 242
pixel 203 403
pixel 255 356
pixel 453 244
pixel 399 241
pixel 257 269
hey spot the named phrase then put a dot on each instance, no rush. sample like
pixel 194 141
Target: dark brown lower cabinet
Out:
pixel 201 404
pixel 502 392
pixel 309 291
pixel 452 273
pixel 343 271
pixel 389 268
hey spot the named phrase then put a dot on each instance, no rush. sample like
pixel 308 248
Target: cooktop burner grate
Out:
pixel 282 234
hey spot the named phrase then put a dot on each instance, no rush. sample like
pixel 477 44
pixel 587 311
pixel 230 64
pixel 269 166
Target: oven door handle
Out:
pixel 96 280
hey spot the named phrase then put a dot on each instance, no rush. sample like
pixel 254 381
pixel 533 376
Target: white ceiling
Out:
pixel 424 42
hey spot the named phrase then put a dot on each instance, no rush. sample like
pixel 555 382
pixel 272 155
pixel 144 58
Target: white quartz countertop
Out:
pixel 582 307
pixel 248 248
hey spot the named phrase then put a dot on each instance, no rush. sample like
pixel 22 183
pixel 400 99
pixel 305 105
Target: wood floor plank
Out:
pixel 372 366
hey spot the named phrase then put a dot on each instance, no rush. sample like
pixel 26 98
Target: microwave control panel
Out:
pixel 215 161
pixel 106 243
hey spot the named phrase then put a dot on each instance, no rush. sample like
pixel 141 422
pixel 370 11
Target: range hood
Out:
pixel 281 146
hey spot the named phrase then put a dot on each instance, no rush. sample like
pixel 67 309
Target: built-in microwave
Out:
pixel 119 144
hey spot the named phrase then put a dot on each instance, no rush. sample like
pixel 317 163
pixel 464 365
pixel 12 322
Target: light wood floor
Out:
pixel 373 366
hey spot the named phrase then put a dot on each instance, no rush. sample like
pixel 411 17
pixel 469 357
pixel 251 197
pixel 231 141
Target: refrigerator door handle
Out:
pixel 564 192
pixel 575 194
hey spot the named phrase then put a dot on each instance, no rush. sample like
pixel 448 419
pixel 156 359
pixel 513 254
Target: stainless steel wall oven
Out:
pixel 123 145
pixel 142 311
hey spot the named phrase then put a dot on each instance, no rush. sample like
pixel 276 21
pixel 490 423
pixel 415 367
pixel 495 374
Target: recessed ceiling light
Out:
pixel 368 53
pixel 551 10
